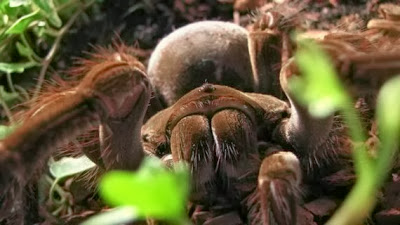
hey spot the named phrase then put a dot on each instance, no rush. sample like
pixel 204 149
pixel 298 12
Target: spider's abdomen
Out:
pixel 208 51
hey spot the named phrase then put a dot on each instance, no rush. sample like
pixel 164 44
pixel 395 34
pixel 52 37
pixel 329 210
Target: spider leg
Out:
pixel 276 198
pixel 108 93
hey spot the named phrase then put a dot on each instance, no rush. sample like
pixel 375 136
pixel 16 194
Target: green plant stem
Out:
pixel 51 31
pixel 54 186
pixel 66 5
pixel 363 162
pixel 7 111
pixel 10 83
pixel 34 55
pixel 22 91
pixel 362 197
pixel 4 43
pixel 50 55
pixel 389 123
pixel 371 174
pixel 386 155
pixel 357 205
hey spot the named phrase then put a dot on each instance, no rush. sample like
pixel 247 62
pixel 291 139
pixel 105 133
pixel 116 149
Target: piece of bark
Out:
pixel 388 217
pixel 305 217
pixel 321 207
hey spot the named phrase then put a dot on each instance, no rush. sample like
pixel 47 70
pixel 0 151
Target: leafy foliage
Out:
pixel 23 25
pixel 69 166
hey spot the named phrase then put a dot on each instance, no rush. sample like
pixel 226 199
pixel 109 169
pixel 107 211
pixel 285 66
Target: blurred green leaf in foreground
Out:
pixel 152 192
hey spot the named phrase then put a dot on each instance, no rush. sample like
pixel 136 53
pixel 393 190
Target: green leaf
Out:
pixel 120 215
pixel 4 5
pixel 24 50
pixel 8 97
pixel 22 23
pixel 49 10
pixel 6 130
pixel 69 166
pixel 16 67
pixel 318 85
pixel 154 191
pixel 17 3
pixel 13 13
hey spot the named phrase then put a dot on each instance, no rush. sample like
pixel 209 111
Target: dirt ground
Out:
pixel 145 22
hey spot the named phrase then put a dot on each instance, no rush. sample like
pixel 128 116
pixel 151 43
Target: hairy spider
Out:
pixel 248 148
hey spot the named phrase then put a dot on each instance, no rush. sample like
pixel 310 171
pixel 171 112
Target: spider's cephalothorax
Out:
pixel 224 135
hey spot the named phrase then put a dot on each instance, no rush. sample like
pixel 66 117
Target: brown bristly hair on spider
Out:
pixel 288 16
pixel 101 54
pixel 57 87
pixel 73 75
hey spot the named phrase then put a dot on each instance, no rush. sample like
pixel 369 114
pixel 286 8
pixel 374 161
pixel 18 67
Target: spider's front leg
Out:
pixel 312 139
pixel 265 43
pixel 114 89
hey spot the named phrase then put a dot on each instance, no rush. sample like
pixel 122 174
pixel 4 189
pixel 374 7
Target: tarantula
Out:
pixel 248 152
